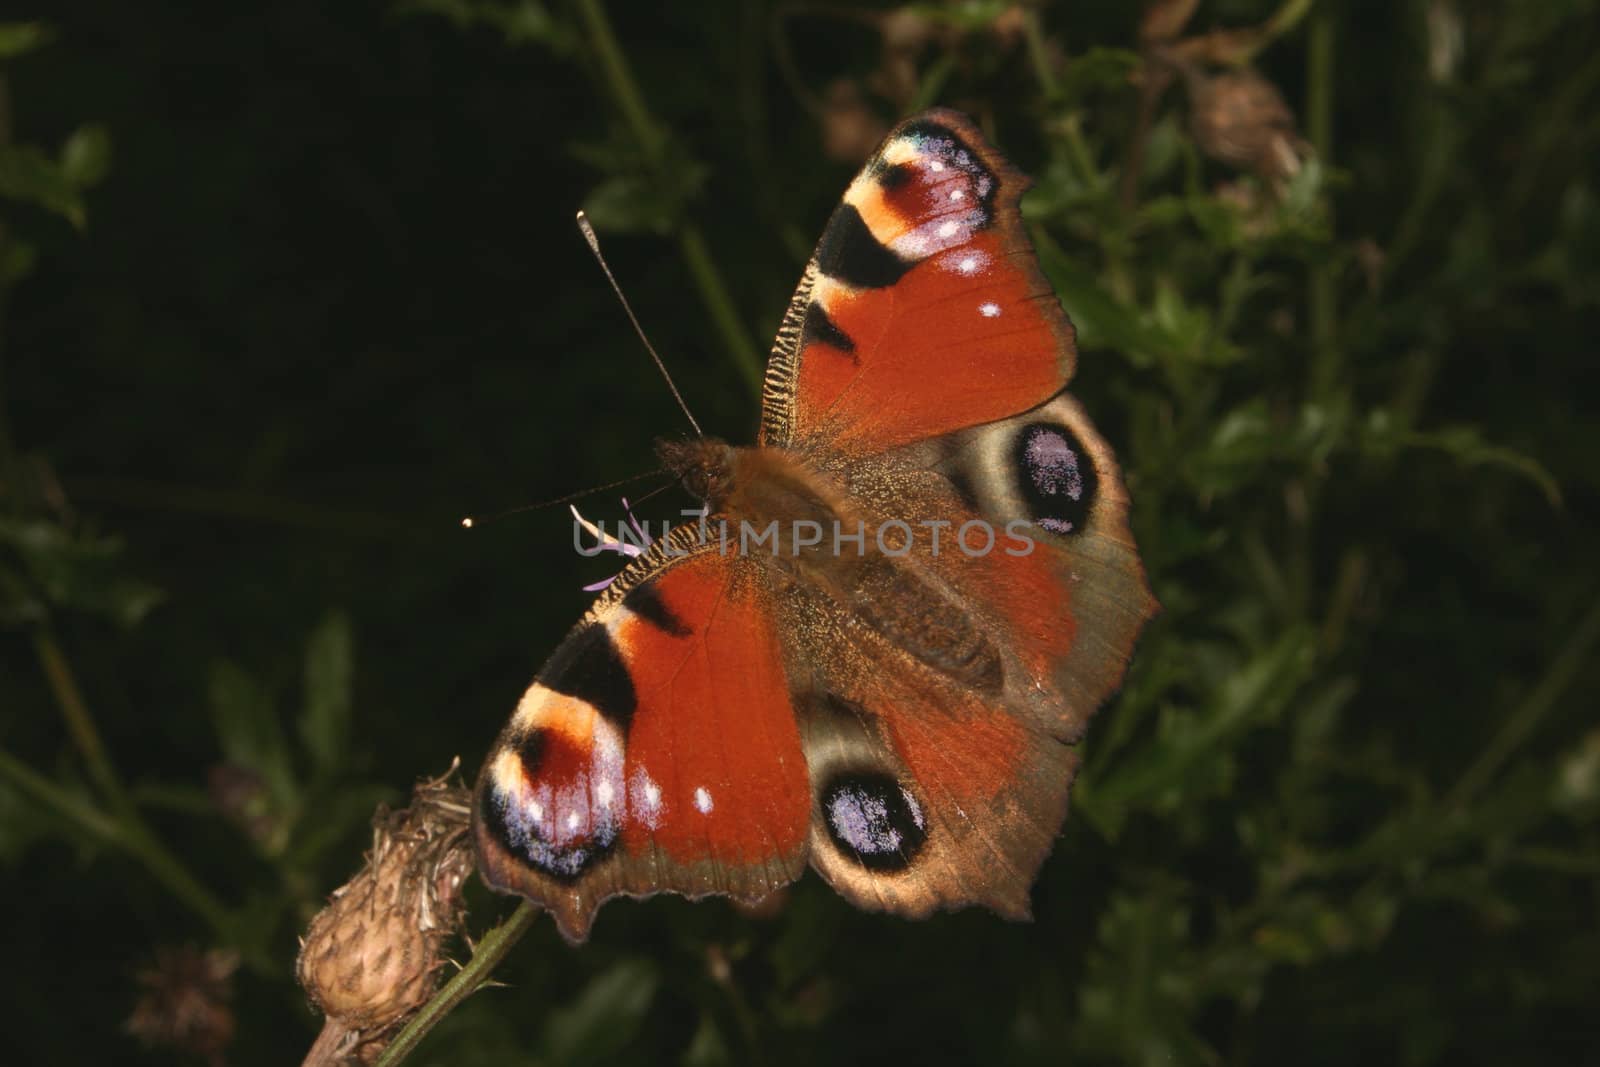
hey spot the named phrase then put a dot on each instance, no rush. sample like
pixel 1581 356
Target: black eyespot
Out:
pixel 874 820
pixel 893 175
pixel 528 834
pixel 530 751
pixel 1056 477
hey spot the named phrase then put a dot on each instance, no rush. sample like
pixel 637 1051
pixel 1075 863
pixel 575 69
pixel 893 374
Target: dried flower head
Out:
pixel 1240 118
pixel 373 955
pixel 184 1002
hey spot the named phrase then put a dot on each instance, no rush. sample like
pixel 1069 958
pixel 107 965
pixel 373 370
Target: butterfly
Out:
pixel 879 653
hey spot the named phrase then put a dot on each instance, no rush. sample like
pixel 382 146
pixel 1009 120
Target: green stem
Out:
pixel 713 289
pixel 1574 656
pixel 485 958
pixel 1284 19
pixel 11 487
pixel 1038 54
pixel 80 724
pixel 126 836
pixel 130 834
pixel 619 78
pixel 719 303
pixel 86 817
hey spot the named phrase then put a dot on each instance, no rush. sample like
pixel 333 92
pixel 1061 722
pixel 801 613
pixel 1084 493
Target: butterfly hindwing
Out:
pixel 928 793
pixel 656 751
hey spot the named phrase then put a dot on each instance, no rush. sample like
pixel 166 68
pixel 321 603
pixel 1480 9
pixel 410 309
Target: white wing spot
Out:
pixel 536 811
pixel 702 801
pixel 603 792
pixel 968 264
pixel 989 310
pixel 644 795
pixel 948 229
pixel 957 195
pixel 935 166
pixel 572 821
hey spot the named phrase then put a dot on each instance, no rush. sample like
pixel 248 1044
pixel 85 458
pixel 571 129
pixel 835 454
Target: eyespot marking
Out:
pixel 1056 477
pixel 537 803
pixel 874 820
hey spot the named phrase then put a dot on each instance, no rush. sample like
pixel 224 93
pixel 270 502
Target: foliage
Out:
pixel 324 298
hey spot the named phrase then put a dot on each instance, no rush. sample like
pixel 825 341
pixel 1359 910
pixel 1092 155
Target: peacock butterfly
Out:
pixel 880 651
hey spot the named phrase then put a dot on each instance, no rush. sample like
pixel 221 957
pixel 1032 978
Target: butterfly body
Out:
pixel 879 651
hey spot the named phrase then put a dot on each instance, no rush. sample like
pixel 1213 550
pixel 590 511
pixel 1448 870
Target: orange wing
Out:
pixel 656 751
pixel 923 310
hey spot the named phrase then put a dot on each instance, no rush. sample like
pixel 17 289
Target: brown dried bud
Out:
pixel 373 955
pixel 1240 118
pixel 1163 20
pixel 184 1002
pixel 240 794
pixel 850 131
pixel 1009 27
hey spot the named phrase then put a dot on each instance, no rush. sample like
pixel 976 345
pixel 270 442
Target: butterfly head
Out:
pixel 704 465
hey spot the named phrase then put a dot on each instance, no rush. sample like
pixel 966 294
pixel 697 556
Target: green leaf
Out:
pixel 1189 757
pixel 86 157
pixel 16 261
pixel 605 1016
pixel 251 737
pixel 28 175
pixel 325 720
pixel 1101 319
pixel 1098 68
pixel 44 567
pixel 519 22
pixel 1466 444
pixel 20 38
pixel 1139 993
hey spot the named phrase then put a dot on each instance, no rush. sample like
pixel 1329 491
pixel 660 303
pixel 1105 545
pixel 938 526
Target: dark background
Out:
pixel 292 288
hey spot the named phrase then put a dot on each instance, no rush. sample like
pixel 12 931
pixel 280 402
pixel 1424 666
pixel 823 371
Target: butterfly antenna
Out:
pixel 470 521
pixel 594 246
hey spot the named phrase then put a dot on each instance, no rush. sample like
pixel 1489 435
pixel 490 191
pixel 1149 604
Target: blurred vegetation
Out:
pixel 287 289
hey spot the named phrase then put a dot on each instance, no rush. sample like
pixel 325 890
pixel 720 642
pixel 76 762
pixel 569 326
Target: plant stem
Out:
pixel 80 724
pixel 125 835
pixel 86 817
pixel 1284 19
pixel 714 294
pixel 713 289
pixel 490 951
pixel 130 833
pixel 1038 54
pixel 1573 657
